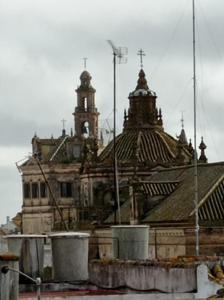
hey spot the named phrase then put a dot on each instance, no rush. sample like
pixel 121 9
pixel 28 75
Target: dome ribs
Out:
pixel 153 150
pixel 125 147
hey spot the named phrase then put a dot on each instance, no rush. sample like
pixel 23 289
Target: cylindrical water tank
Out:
pixel 30 249
pixel 70 256
pixel 9 282
pixel 130 241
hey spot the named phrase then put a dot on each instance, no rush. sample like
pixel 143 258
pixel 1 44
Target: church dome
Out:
pixel 146 147
pixel 85 85
pixel 143 140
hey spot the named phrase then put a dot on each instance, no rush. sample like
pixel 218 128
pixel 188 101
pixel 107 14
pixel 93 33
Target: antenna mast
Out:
pixel 195 139
pixel 117 53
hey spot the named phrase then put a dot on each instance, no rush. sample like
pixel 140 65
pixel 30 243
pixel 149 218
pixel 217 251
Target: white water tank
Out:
pixel 30 249
pixel 70 256
pixel 130 242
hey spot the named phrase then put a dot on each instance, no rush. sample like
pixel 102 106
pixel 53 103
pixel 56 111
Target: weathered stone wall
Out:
pixel 167 242
pixel 163 243
pixel 170 242
pixel 143 277
pixel 211 241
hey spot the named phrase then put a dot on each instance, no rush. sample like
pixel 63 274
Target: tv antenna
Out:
pixel 120 54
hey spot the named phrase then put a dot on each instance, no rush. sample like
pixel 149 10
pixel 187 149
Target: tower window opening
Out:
pixel 26 190
pixel 66 189
pixel 35 190
pixel 86 129
pixel 43 190
pixel 85 103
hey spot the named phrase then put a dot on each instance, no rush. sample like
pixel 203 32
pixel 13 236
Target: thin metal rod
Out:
pixel 116 186
pixel 195 139
pixel 37 281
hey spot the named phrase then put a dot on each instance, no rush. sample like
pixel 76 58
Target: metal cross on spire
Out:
pixel 63 123
pixel 182 120
pixel 141 53
pixel 85 59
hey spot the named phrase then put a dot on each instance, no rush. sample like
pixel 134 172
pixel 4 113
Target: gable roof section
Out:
pixel 179 205
pixel 213 208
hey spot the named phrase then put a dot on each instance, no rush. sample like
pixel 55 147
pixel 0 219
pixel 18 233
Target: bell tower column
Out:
pixel 86 114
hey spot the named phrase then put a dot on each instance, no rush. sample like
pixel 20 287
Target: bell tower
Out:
pixel 86 114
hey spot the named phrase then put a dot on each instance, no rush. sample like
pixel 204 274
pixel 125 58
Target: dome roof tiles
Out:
pixel 144 147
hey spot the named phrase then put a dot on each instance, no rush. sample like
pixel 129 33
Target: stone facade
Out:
pixel 68 184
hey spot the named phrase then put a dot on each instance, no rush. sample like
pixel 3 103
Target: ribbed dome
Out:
pixel 143 141
pixel 148 147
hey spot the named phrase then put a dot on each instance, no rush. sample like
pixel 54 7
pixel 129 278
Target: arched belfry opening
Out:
pixel 86 114
pixel 86 130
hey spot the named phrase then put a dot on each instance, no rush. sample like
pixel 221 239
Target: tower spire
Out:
pixel 182 137
pixel 142 82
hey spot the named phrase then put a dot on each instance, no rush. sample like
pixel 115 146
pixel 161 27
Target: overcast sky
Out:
pixel 43 43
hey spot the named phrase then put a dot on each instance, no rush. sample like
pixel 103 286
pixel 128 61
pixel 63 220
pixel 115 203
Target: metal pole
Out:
pixel 37 281
pixel 116 186
pixel 195 140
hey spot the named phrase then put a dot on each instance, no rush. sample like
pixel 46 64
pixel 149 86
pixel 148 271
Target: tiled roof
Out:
pixel 179 205
pixel 176 187
pixel 159 188
pixel 213 208
pixel 149 146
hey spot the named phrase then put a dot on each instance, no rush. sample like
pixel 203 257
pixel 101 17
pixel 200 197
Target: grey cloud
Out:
pixel 19 132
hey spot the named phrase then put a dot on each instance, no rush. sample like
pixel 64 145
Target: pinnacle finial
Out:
pixel 202 147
